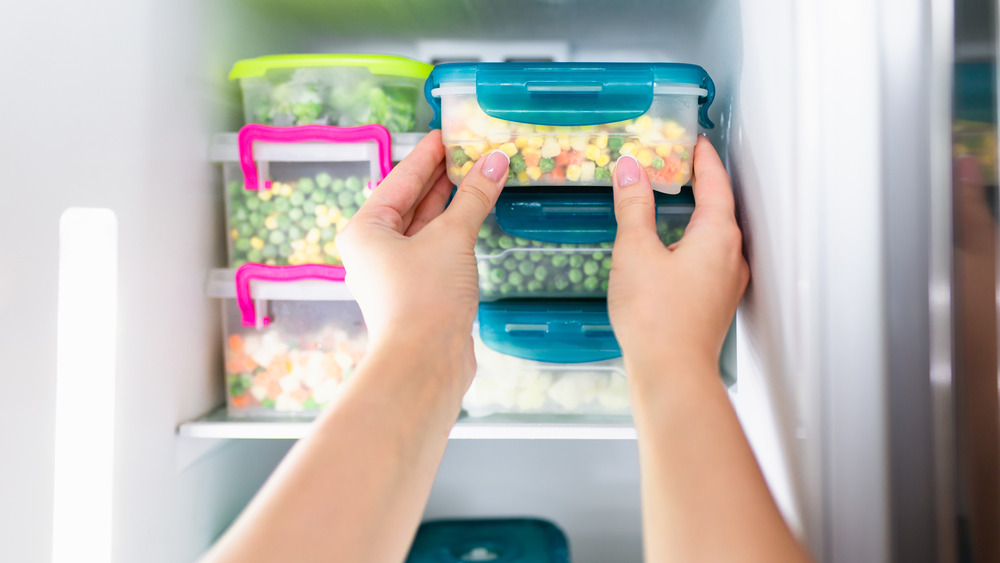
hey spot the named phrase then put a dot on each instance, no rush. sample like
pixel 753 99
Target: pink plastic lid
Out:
pixel 255 133
pixel 260 272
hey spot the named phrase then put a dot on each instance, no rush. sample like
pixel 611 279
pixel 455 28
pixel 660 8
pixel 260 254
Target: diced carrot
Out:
pixel 558 173
pixel 574 157
pixel 273 389
pixel 241 401
pixel 236 343
pixel 562 158
pixel 531 159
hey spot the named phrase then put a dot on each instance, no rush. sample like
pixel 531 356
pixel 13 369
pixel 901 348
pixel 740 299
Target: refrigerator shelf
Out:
pixel 218 424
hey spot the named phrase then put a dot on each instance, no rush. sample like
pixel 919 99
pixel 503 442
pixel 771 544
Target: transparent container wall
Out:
pixel 295 221
pixel 514 267
pixel 662 140
pixel 343 96
pixel 296 364
pixel 505 384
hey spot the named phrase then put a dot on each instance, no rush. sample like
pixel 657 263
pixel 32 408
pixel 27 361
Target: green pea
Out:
pixel 345 199
pixel 252 204
pixel 359 198
pixel 458 156
pixel 235 187
pixel 242 244
pixel 308 222
pixel 575 261
pixel 606 264
pixel 521 242
pixel 239 215
pixel 337 186
pixel 276 237
pixel 526 268
pixel 506 288
pixel 598 256
pixel 515 278
pixel 559 260
pixel 606 245
pixel 262 234
pixel 517 164
pixel 485 231
pixel 506 242
pixel 267 403
pixel 270 251
pixel 324 179
pixel 256 220
pixel 285 250
pixel 590 268
pixel 510 264
pixel 318 196
pixel 309 207
pixel 591 283
pixel 349 212
pixel 561 283
pixel 282 205
pixel 575 276
pixel 497 275
pixel 245 230
pixel 295 214
pixel 327 234
pixel 295 233
pixel 297 198
pixel 615 143
pixel 658 163
pixel 267 207
pixel 536 256
pixel 310 404
pixel 254 255
pixel 353 183
pixel 604 285
pixel 284 222
pixel 306 185
pixel 541 273
pixel 535 286
pixel 546 164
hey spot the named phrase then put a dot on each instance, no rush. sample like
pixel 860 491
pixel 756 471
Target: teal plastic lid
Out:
pixel 509 540
pixel 571 94
pixel 564 331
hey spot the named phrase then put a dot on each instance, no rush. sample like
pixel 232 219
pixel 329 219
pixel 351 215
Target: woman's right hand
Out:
pixel 673 304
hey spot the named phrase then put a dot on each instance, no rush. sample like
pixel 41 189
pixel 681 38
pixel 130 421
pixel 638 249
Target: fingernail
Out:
pixel 627 170
pixel 496 165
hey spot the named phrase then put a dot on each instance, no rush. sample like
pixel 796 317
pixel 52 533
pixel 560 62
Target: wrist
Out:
pixel 431 364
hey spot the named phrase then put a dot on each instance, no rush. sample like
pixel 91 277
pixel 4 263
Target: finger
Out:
pixel 432 205
pixel 713 196
pixel 478 192
pixel 635 209
pixel 439 172
pixel 401 189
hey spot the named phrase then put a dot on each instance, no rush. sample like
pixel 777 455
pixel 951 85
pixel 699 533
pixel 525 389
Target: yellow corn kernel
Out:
pixel 586 171
pixel 643 123
pixel 679 149
pixel 551 149
pixel 498 137
pixel 298 245
pixel 330 249
pixel 321 210
pixel 603 160
pixel 271 222
pixel 286 190
pixel 533 172
pixel 645 158
pixel 264 195
pixel 672 131
pixel 563 141
pixel 628 148
pixel 601 141
pixel 521 141
pixel 473 152
pixel 313 235
pixel 522 177
pixel 312 249
pixel 295 260
pixel 341 223
pixel 454 171
pixel 592 152
pixel 323 221
pixel 234 234
pixel 578 143
pixel 536 142
pixel 573 173
pixel 465 169
pixel 509 149
pixel 664 150
pixel 256 243
pixel 334 214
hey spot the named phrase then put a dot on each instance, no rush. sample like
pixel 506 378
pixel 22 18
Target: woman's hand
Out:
pixel 675 302
pixel 411 263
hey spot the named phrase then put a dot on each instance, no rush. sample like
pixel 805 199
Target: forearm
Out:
pixel 704 498
pixel 355 488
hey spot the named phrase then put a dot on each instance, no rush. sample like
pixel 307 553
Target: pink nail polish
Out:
pixel 496 165
pixel 627 170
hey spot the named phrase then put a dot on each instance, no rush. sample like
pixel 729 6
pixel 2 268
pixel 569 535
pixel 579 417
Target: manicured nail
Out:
pixel 627 170
pixel 496 165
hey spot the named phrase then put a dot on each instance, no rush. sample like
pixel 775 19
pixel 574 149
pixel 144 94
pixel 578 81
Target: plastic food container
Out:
pixel 289 191
pixel 509 540
pixel 285 357
pixel 343 90
pixel 546 244
pixel 567 123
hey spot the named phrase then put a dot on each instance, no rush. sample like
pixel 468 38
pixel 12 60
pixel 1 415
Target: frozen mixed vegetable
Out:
pixel 293 222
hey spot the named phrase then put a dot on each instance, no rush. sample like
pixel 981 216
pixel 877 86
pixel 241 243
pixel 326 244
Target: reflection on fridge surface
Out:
pixel 838 170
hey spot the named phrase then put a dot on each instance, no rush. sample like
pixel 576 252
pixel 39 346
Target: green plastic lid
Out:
pixel 387 65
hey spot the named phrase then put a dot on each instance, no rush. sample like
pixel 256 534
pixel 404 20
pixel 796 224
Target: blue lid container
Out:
pixel 567 123
pixel 512 540
pixel 557 331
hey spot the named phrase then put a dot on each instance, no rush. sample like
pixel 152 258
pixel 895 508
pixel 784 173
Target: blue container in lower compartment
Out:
pixel 509 540
pixel 569 331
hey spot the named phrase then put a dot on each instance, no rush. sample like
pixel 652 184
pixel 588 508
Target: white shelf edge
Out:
pixel 217 424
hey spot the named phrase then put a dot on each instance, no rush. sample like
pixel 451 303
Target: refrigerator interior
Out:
pixel 114 109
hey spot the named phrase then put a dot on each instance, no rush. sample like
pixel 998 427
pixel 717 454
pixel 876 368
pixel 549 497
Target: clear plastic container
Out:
pixel 293 360
pixel 287 199
pixel 343 90
pixel 522 249
pixel 506 384
pixel 567 123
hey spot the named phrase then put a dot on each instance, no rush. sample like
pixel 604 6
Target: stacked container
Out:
pixel 316 144
pixel 544 341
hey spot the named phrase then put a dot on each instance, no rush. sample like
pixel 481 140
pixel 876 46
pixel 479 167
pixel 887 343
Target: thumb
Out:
pixel 478 192
pixel 635 208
